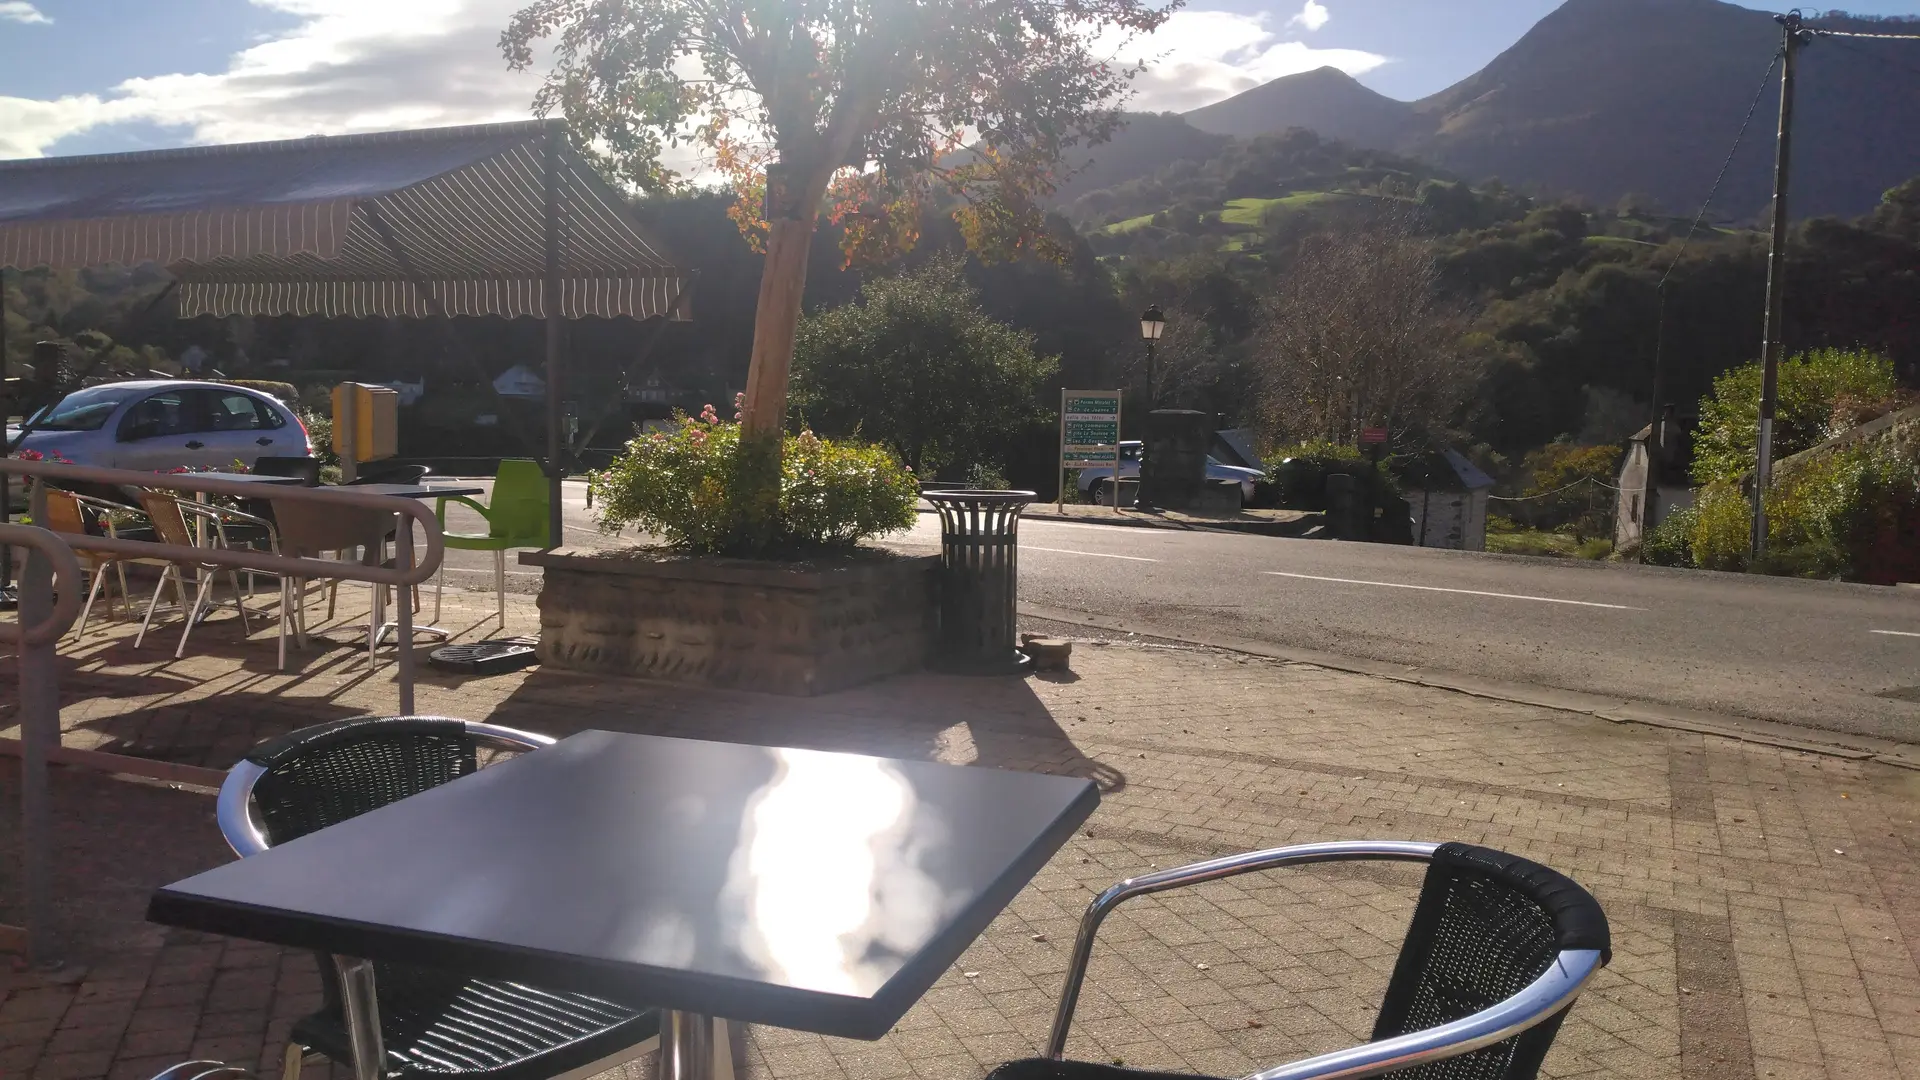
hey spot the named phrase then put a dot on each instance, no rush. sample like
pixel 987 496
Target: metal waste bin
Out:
pixel 979 581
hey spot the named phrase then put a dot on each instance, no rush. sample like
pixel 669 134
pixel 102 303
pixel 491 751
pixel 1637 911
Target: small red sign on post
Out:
pixel 1373 436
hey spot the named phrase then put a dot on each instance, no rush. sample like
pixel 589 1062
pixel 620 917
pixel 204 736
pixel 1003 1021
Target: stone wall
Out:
pixel 782 628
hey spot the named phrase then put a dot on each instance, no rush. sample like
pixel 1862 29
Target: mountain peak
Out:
pixel 1325 100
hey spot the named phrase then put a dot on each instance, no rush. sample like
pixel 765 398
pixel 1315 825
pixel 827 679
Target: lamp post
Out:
pixel 1152 324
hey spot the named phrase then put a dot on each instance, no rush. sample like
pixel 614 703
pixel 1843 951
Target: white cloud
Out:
pixel 22 12
pixel 370 65
pixel 350 65
pixel 1312 17
pixel 1200 57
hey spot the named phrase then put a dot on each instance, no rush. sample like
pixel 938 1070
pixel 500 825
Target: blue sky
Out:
pixel 90 76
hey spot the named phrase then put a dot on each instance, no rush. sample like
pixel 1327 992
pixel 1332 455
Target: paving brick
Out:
pixel 1805 960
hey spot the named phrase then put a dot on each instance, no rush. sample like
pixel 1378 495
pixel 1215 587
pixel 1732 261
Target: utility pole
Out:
pixel 1793 36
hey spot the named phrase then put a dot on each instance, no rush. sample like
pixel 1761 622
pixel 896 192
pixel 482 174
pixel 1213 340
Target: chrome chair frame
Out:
pixel 205 1069
pixel 1540 1001
pixel 233 812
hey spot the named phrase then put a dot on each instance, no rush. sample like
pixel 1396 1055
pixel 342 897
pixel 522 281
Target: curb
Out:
pixel 1616 710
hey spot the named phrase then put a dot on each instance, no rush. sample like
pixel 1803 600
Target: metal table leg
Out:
pixel 687 1046
pixel 362 1006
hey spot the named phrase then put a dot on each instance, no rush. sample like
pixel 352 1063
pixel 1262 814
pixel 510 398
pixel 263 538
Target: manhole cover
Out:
pixel 484 657
pixel 1901 693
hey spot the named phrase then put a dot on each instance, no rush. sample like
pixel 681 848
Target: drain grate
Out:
pixel 484 657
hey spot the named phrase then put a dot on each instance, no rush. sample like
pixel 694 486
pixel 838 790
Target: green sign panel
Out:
pixel 1089 429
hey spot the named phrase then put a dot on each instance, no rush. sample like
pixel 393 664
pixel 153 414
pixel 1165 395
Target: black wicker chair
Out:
pixel 432 1023
pixel 1498 949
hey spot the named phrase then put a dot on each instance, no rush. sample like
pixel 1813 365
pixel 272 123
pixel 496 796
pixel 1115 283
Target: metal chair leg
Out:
pixel 165 574
pixel 500 585
pixel 93 591
pixel 291 1061
pixel 199 602
pixel 439 586
pixel 239 602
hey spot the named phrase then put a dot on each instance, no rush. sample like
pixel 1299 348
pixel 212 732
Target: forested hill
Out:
pixel 1608 98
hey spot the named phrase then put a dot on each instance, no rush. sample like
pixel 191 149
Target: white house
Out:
pixel 521 381
pixel 1448 500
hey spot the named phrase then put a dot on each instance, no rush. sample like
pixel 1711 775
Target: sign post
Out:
pixel 1090 436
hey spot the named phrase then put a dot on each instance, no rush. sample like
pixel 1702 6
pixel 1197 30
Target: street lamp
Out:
pixel 1152 325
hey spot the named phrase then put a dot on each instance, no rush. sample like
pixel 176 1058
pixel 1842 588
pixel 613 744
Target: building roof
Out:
pixel 310 226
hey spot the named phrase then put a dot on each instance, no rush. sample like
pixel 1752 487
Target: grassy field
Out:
pixel 1551 545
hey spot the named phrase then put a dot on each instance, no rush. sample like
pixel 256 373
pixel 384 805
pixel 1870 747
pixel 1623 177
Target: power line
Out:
pixel 1752 107
pixel 1859 34
pixel 1872 55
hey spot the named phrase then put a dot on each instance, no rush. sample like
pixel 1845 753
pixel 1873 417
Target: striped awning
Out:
pixel 296 227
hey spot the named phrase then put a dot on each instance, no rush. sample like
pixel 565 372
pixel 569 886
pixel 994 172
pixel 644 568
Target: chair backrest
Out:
pixel 321 775
pixel 518 508
pixel 63 512
pixel 1487 924
pixel 169 524
pixel 308 528
pixel 387 473
pixel 306 468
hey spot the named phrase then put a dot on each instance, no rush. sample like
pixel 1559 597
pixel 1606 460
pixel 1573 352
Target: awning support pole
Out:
pixel 556 373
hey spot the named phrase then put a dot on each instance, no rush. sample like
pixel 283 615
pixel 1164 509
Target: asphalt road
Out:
pixel 1818 654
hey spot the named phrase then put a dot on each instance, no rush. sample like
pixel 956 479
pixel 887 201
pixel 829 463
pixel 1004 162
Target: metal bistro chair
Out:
pixel 1497 950
pixel 433 1024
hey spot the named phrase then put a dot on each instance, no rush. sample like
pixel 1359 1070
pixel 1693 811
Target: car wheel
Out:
pixel 1101 488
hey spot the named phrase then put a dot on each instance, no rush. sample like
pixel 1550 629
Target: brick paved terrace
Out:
pixel 1765 903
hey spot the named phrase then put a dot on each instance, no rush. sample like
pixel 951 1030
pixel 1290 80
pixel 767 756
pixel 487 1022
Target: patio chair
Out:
pixel 70 513
pixel 516 516
pixel 1497 950
pixel 433 1024
pixel 169 517
pixel 203 1070
pixel 310 531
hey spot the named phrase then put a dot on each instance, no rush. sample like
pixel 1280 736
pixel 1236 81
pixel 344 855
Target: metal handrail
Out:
pixel 66 602
pixel 403 574
pixel 1553 991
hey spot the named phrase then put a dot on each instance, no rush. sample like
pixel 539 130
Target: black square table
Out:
pixel 799 888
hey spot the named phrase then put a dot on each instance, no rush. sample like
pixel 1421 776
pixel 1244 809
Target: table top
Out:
pixel 250 478
pixel 810 890
pixel 416 491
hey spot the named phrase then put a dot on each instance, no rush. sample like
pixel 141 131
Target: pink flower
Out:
pixel 30 455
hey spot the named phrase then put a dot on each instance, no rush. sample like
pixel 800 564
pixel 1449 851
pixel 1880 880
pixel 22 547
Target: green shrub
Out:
pixel 687 484
pixel 1300 472
pixel 982 476
pixel 1722 525
pixel 284 391
pixel 1670 543
pixel 1813 387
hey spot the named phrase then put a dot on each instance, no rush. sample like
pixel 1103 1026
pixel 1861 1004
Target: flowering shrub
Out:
pixel 685 485
pixel 54 456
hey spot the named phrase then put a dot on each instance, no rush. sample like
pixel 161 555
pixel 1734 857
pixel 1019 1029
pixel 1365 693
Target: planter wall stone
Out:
pixel 783 628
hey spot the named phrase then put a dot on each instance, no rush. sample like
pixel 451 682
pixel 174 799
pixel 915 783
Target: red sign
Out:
pixel 1373 436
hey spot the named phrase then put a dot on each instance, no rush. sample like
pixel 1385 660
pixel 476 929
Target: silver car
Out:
pixel 1095 483
pixel 158 425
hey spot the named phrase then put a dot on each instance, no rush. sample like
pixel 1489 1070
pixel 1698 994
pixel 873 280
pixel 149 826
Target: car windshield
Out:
pixel 82 410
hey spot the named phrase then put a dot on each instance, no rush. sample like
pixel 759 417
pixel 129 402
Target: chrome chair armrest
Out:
pixel 233 811
pixel 221 518
pixel 201 1070
pixel 1211 870
pixel 1547 995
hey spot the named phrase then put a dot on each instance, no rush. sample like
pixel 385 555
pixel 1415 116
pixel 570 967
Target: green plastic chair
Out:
pixel 516 518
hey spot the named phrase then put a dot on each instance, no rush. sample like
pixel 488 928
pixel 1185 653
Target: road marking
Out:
pixel 1463 592
pixel 1895 633
pixel 1095 554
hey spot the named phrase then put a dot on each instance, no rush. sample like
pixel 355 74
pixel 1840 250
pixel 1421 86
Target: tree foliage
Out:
pixel 876 97
pixel 1811 385
pixel 916 365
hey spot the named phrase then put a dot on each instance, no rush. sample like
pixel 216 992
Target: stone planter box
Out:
pixel 797 628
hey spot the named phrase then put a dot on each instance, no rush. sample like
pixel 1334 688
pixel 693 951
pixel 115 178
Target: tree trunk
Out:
pixel 775 322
